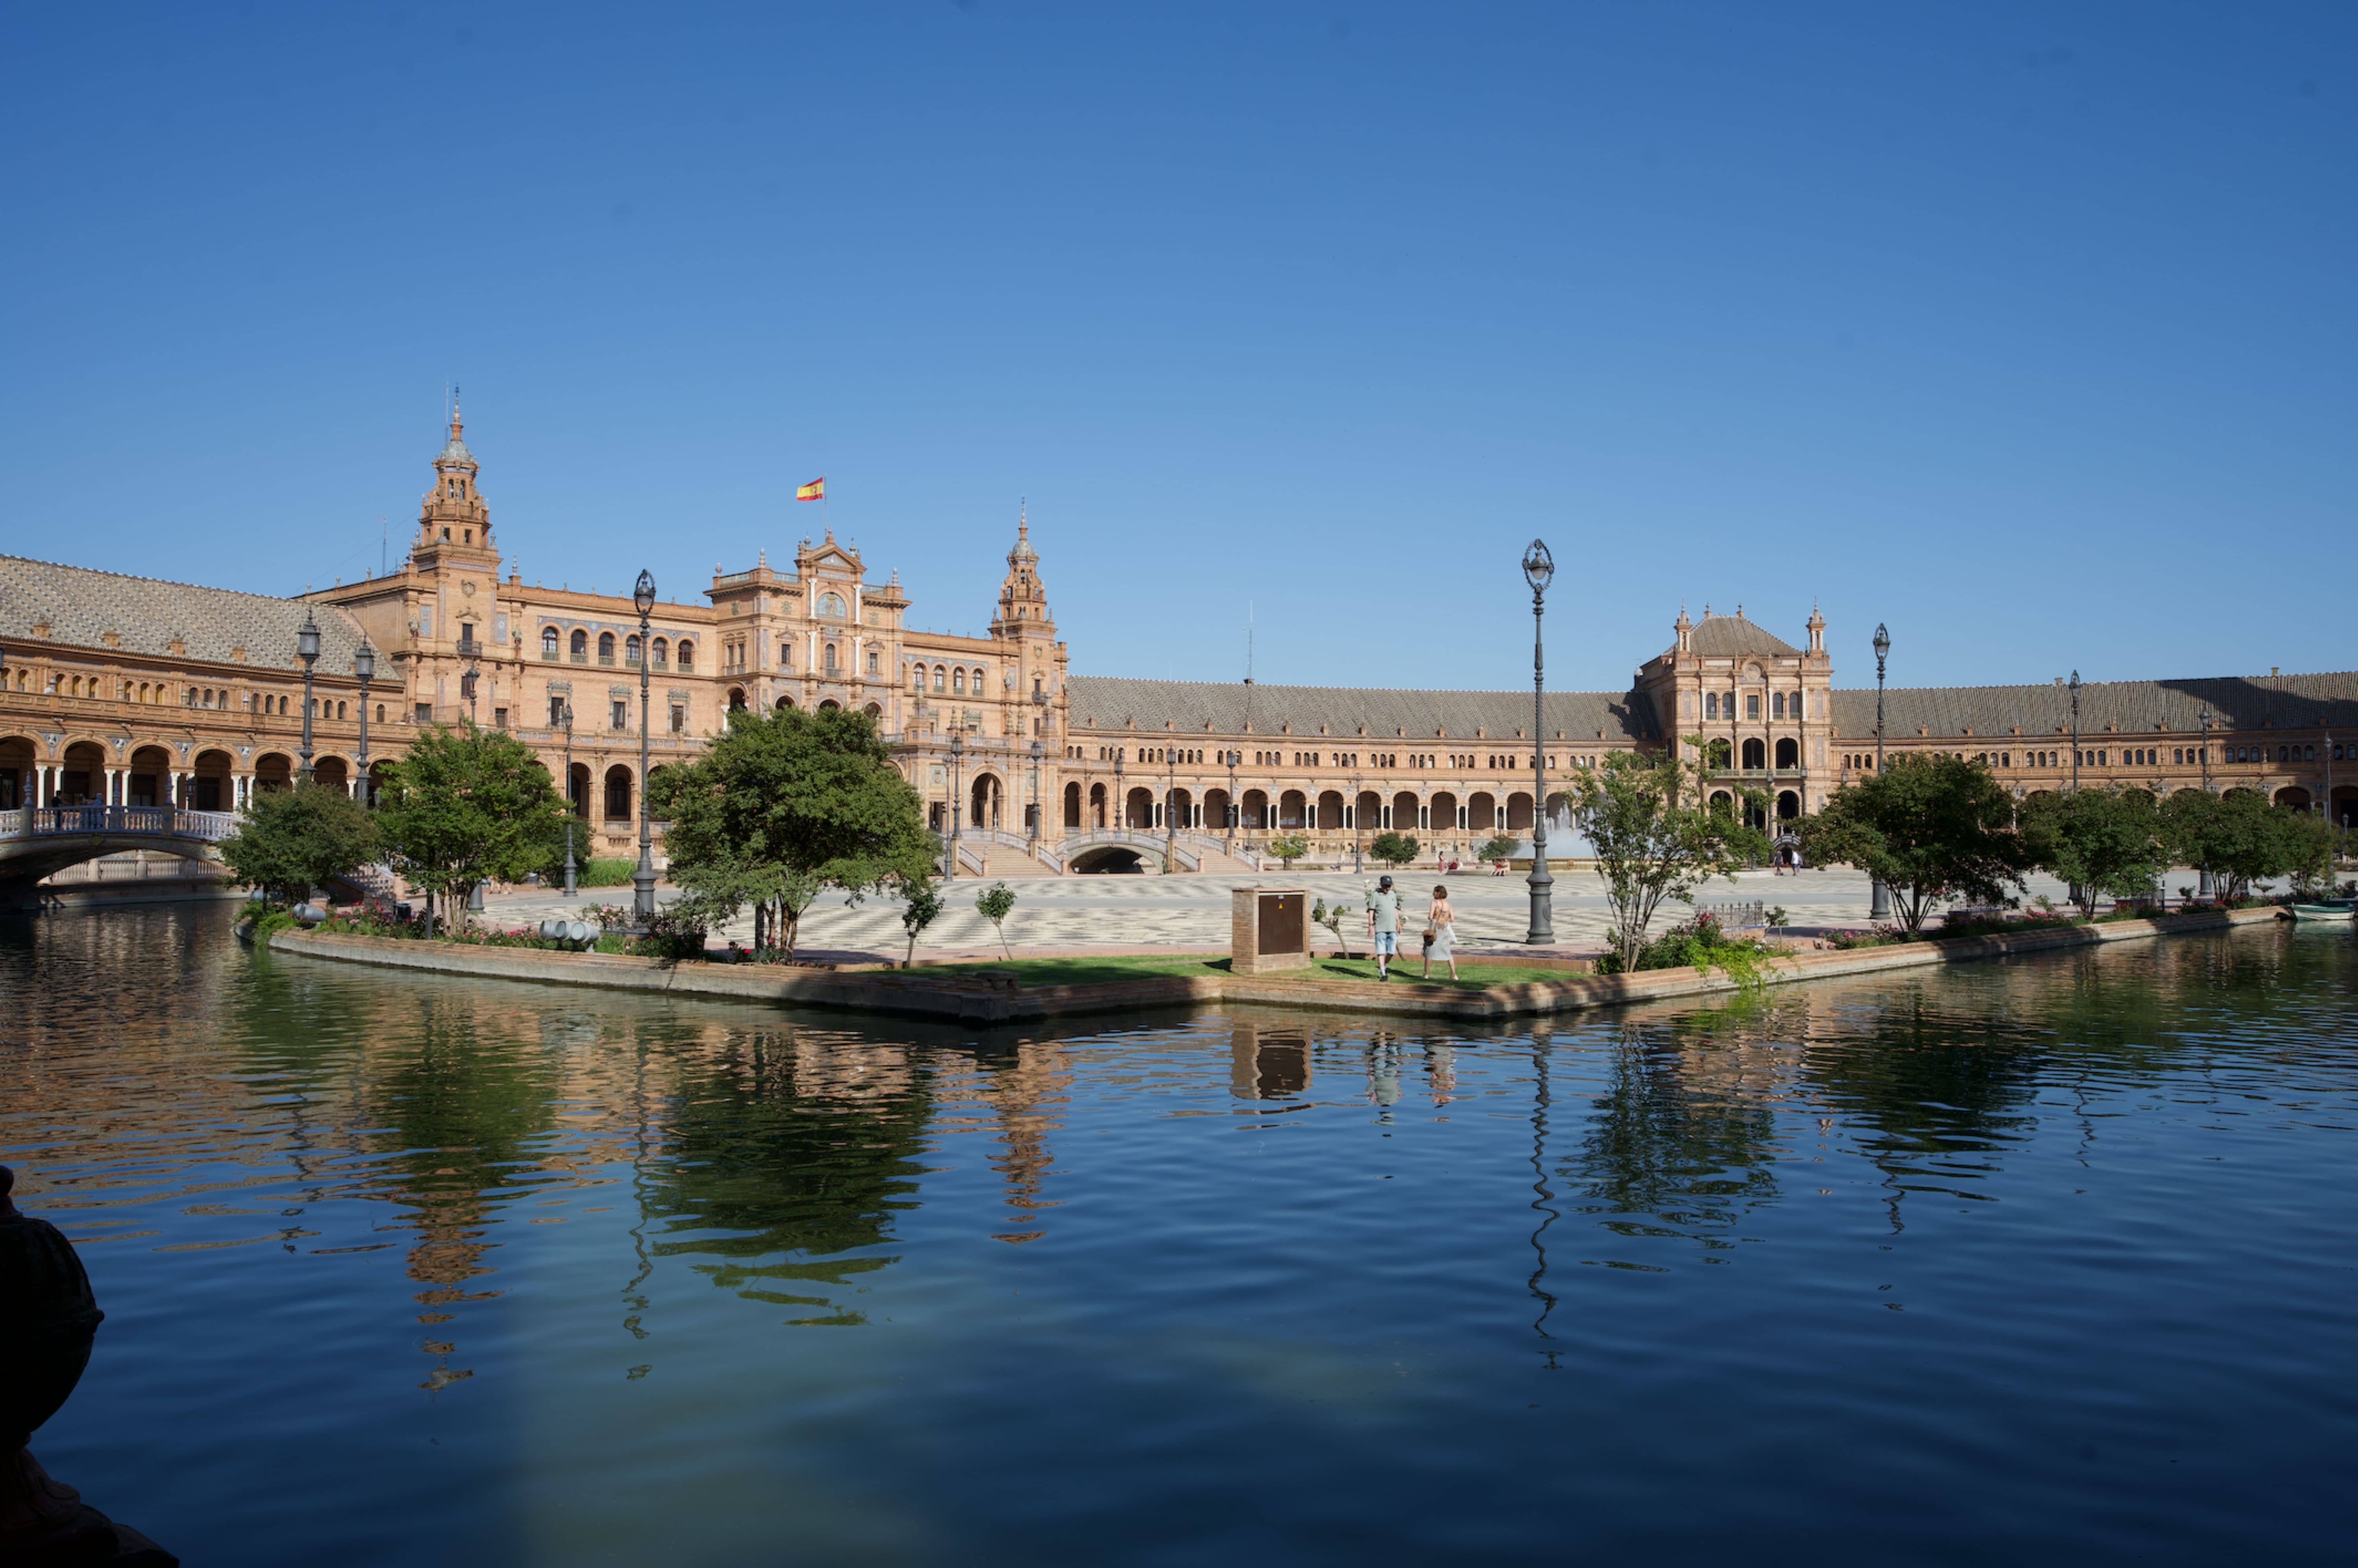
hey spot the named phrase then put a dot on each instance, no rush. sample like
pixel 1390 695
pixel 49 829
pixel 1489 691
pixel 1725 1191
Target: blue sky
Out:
pixel 2028 329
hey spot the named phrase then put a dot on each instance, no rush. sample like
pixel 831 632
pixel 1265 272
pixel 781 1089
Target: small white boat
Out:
pixel 2322 912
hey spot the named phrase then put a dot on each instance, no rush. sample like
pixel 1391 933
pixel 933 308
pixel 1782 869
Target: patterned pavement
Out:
pixel 1192 912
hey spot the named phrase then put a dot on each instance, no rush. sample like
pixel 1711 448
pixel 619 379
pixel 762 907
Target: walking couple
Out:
pixel 1383 929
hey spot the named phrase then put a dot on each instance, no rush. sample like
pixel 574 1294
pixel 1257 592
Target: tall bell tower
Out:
pixel 454 526
pixel 1022 601
pixel 1028 632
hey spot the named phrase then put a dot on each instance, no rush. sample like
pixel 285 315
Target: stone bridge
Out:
pixel 35 841
pixel 1111 848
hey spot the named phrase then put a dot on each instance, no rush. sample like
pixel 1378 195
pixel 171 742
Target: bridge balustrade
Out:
pixel 163 821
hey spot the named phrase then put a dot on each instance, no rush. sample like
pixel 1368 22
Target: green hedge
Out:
pixel 605 871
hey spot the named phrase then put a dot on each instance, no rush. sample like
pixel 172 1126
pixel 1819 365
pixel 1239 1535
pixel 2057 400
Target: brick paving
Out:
pixel 1110 914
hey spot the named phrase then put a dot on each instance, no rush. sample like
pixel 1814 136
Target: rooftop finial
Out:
pixel 454 410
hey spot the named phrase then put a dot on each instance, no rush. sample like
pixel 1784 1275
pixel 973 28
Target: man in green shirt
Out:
pixel 1383 925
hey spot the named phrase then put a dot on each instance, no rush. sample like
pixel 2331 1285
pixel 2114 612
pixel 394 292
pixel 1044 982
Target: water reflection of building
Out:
pixel 1027 1092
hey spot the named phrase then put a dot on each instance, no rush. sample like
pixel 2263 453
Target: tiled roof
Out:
pixel 1729 636
pixel 80 605
pixel 2130 707
pixel 1110 702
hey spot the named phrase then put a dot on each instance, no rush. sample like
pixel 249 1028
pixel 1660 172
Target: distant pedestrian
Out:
pixel 1383 925
pixel 1441 933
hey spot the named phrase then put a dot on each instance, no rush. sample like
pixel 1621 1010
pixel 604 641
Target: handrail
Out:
pixel 163 821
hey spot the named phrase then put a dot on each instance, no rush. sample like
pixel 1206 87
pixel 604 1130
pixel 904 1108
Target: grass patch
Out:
pixel 1086 971
pixel 1472 976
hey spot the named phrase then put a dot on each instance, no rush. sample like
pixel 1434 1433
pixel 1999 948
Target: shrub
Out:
pixel 1701 945
pixel 605 871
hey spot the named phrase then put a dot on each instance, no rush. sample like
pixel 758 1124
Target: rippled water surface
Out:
pixel 2050 1259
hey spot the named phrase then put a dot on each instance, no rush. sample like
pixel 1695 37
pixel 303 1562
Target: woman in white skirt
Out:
pixel 1440 933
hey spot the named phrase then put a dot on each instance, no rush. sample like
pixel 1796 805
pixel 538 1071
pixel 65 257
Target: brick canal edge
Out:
pixel 984 997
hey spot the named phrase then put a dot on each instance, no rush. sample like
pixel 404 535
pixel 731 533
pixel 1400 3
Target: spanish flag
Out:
pixel 815 491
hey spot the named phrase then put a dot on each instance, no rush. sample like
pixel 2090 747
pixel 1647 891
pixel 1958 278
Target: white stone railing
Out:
pixel 163 821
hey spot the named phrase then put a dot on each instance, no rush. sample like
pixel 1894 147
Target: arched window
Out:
pixel 580 643
pixel 630 649
pixel 938 678
pixel 1711 705
pixel 830 657
pixel 916 678
pixel 548 641
pixel 831 604
pixel 662 652
pixel 958 680
pixel 605 647
pixel 687 655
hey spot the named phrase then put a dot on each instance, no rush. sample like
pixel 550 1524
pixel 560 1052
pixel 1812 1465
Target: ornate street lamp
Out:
pixel 1233 814
pixel 1357 865
pixel 364 666
pixel 1880 909
pixel 643 881
pixel 572 807
pixel 1539 570
pixel 958 788
pixel 2203 872
pixel 1039 748
pixel 1170 792
pixel 2075 732
pixel 306 648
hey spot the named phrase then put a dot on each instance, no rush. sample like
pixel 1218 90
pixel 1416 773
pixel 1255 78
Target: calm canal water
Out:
pixel 2050 1259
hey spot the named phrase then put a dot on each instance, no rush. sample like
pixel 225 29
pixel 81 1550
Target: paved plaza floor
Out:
pixel 1192 912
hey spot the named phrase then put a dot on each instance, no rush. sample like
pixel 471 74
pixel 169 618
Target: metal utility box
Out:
pixel 1268 929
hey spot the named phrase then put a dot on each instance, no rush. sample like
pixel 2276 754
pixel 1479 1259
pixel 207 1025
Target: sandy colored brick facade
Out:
pixel 135 691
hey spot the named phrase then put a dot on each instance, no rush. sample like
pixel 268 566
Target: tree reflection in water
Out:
pixel 1680 1141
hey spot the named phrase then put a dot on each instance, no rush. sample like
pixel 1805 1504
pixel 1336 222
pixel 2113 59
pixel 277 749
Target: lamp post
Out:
pixel 958 800
pixel 572 807
pixel 2202 873
pixel 22 781
pixel 1880 908
pixel 1233 814
pixel 643 881
pixel 2075 732
pixel 470 650
pixel 1357 865
pixel 364 666
pixel 1121 796
pixel 1170 790
pixel 1539 570
pixel 306 648
pixel 1039 750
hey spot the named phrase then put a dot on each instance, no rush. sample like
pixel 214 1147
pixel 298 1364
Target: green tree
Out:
pixel 1498 848
pixel 2098 840
pixel 920 906
pixel 784 803
pixel 1393 848
pixel 1933 828
pixel 1651 844
pixel 2237 837
pixel 1288 848
pixel 465 806
pixel 290 840
pixel 995 904
pixel 2314 847
pixel 1331 917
